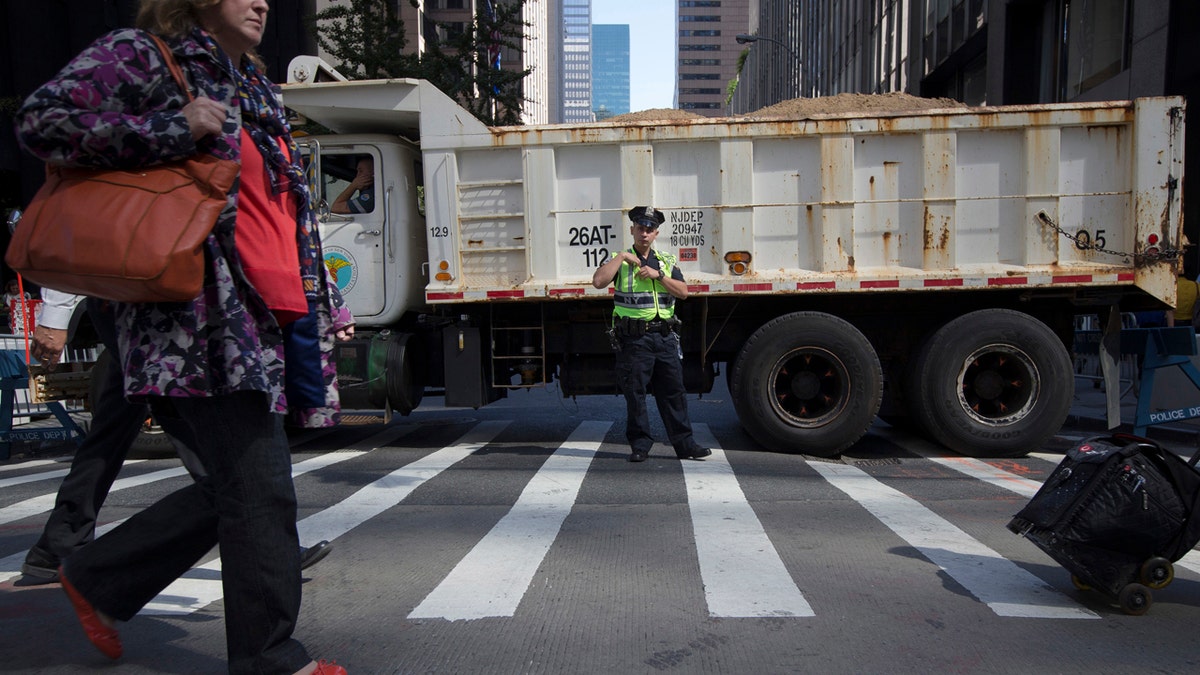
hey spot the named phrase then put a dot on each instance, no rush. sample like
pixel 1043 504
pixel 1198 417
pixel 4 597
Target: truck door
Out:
pixel 353 221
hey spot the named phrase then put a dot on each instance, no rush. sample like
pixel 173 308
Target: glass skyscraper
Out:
pixel 610 70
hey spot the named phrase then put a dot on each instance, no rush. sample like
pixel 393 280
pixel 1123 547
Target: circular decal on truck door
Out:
pixel 342 268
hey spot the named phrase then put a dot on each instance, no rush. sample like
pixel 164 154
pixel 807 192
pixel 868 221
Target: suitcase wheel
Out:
pixel 1079 583
pixel 1135 599
pixel 1157 573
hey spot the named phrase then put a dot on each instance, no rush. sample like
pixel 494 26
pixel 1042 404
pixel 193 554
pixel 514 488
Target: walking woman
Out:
pixel 217 363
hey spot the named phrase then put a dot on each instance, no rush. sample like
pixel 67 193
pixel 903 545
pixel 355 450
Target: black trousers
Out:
pixel 652 360
pixel 115 424
pixel 246 503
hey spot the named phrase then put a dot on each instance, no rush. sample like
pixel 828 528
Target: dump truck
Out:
pixel 922 266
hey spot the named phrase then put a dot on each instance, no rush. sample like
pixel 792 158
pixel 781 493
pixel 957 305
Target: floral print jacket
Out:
pixel 116 105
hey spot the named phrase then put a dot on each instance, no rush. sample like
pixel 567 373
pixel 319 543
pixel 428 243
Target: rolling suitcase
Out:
pixel 1116 513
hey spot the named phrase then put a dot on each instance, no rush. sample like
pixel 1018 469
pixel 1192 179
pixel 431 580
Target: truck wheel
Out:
pixel 152 441
pixel 992 383
pixel 405 372
pixel 807 382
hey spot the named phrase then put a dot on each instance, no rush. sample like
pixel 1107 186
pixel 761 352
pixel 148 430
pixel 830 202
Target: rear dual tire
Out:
pixel 992 383
pixel 807 382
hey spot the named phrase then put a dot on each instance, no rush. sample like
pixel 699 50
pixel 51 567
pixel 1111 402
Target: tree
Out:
pixel 366 37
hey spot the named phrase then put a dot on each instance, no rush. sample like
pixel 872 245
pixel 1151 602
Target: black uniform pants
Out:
pixel 652 359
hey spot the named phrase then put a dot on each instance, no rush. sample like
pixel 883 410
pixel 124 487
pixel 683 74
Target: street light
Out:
pixel 745 38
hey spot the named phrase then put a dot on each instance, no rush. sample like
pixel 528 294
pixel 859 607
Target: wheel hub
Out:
pixel 810 387
pixel 998 384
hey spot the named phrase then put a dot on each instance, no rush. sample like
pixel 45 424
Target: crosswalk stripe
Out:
pixel 742 572
pixel 996 581
pixel 201 585
pixel 32 464
pixel 991 475
pixel 494 575
pixel 44 475
pixel 1027 488
pixel 45 502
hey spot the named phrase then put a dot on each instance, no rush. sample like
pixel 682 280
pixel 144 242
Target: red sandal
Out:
pixel 105 637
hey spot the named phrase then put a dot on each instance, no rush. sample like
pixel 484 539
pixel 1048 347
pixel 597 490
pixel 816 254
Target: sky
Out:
pixel 651 48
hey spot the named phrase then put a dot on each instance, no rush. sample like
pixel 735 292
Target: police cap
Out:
pixel 647 216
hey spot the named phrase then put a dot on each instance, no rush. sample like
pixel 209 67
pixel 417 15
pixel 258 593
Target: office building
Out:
pixel 610 70
pixel 575 80
pixel 708 52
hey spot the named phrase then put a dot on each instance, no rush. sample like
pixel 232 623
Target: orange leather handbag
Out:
pixel 124 235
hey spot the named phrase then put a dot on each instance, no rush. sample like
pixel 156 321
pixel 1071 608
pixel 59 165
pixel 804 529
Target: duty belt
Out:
pixel 627 327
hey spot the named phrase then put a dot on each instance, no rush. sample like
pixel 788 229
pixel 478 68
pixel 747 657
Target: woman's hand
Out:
pixel 205 117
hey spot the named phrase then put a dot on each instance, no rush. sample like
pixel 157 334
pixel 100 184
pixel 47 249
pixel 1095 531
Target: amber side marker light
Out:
pixel 442 274
pixel 739 262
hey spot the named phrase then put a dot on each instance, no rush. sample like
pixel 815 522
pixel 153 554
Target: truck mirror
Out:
pixel 13 217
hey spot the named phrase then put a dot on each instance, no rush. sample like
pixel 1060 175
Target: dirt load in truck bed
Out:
pixel 800 108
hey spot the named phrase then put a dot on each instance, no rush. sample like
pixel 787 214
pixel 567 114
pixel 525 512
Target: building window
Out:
pixel 699 106
pixel 699 3
pixel 699 76
pixel 700 62
pixel 1095 43
pixel 699 33
pixel 700 92
pixel 699 17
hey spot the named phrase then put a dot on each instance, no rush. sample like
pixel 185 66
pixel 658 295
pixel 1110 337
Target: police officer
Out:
pixel 647 284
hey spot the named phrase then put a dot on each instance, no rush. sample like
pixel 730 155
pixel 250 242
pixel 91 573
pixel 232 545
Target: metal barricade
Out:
pixel 27 394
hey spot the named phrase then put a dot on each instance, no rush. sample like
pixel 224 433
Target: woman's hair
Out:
pixel 175 18
pixel 171 18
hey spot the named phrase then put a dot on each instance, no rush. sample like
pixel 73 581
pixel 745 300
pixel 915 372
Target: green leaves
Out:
pixel 366 38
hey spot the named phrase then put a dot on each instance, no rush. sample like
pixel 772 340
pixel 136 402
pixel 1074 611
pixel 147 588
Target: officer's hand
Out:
pixel 631 259
pixel 648 272
pixel 48 345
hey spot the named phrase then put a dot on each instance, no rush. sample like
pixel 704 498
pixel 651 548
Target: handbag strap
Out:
pixel 173 66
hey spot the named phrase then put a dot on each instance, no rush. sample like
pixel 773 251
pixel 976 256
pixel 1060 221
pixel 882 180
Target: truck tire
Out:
pixel 807 382
pixel 152 441
pixel 992 383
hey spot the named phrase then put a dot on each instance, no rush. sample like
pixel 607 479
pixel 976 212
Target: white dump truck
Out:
pixel 923 266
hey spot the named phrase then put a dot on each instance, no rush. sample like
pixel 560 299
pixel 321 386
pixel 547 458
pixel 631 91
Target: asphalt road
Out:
pixel 518 539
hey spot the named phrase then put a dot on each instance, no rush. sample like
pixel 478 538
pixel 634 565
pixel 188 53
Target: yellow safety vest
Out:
pixel 644 299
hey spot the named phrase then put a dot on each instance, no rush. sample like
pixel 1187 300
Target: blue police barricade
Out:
pixel 1158 348
pixel 14 376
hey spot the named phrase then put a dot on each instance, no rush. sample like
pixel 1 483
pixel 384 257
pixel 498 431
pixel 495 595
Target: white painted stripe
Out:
pixel 45 502
pixel 201 585
pixel 32 464
pixel 493 577
pixel 1190 561
pixel 10 566
pixel 742 572
pixel 974 468
pixel 1027 488
pixel 1048 456
pixel 45 475
pixel 997 582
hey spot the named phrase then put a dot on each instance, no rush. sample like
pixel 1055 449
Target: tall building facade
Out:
pixel 708 52
pixel 535 55
pixel 610 70
pixel 576 49
pixel 771 69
